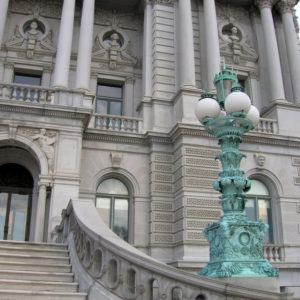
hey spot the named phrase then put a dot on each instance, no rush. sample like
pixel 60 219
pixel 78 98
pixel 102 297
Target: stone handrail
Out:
pixel 267 126
pixel 117 123
pixel 109 267
pixel 26 93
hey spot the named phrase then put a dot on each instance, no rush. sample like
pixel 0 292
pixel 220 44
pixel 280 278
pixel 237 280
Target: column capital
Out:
pixel 164 2
pixel 264 3
pixel 286 6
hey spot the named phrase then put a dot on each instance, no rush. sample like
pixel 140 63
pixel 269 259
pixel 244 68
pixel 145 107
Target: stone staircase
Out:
pixel 36 271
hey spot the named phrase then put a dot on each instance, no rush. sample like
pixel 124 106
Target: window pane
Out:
pixel 18 217
pixel 3 203
pixel 264 214
pixel 101 107
pixel 112 186
pixel 27 79
pixel 109 91
pixel 115 108
pixel 104 206
pixel 258 188
pixel 250 209
pixel 121 218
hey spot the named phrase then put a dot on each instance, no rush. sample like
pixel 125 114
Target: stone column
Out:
pixel 147 51
pixel 84 56
pixel 185 45
pixel 291 40
pixel 212 41
pixel 40 214
pixel 271 50
pixel 64 46
pixel 3 13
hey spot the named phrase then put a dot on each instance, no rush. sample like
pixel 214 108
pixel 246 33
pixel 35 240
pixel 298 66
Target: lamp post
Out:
pixel 235 241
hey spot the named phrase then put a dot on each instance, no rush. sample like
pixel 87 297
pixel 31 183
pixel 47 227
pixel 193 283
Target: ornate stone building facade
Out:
pixel 97 103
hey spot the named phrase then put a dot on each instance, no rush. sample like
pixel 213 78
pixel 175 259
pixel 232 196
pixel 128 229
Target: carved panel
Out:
pixel 191 201
pixel 160 238
pixel 197 183
pixel 196 224
pixel 203 213
pixel 179 214
pixel 201 162
pixel 168 217
pixel 163 158
pixel 201 172
pixel 195 235
pixel 295 161
pixel 163 177
pixel 201 152
pixel 163 168
pixel 161 227
pixel 163 206
pixel 163 188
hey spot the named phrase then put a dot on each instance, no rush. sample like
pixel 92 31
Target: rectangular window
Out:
pixel 109 99
pixel 27 79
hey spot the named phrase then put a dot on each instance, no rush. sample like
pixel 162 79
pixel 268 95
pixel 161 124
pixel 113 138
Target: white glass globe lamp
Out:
pixel 253 115
pixel 207 107
pixel 237 101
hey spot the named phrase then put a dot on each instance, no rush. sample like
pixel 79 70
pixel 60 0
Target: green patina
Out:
pixel 236 248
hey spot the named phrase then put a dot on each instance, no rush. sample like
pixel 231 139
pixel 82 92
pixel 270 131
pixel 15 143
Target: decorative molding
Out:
pixel 264 3
pixel 163 2
pixel 286 6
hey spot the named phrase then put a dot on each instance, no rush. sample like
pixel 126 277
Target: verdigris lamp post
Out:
pixel 235 241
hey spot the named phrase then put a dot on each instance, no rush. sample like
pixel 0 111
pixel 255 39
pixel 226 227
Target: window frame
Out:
pixel 109 100
pixel 113 198
pixel 256 198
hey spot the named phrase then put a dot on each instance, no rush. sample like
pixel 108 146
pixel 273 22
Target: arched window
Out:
pixel 258 206
pixel 112 202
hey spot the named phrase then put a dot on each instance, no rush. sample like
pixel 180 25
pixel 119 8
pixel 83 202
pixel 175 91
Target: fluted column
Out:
pixel 3 13
pixel 185 46
pixel 40 214
pixel 64 46
pixel 271 50
pixel 286 9
pixel 211 41
pixel 85 45
pixel 147 51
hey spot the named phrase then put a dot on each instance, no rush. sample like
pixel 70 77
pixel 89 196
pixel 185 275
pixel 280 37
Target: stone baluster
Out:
pixel 84 56
pixel 291 40
pixel 64 46
pixel 271 49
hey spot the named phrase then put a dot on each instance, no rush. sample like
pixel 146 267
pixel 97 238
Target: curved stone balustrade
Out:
pixel 107 266
pixel 118 123
pixel 26 93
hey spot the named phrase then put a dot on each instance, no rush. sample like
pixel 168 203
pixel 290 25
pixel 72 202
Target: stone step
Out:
pixel 34 259
pixel 38 295
pixel 23 266
pixel 34 251
pixel 31 285
pixel 38 276
pixel 20 244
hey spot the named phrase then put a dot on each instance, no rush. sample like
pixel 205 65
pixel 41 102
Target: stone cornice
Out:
pixel 47 110
pixel 251 138
pixel 164 2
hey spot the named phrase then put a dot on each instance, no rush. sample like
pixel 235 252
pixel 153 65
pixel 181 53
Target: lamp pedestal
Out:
pixel 236 248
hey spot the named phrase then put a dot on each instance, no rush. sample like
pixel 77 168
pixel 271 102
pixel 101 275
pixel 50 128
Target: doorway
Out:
pixel 16 185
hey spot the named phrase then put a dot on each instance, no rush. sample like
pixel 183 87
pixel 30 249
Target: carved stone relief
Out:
pixel 32 35
pixel 43 8
pixel 46 140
